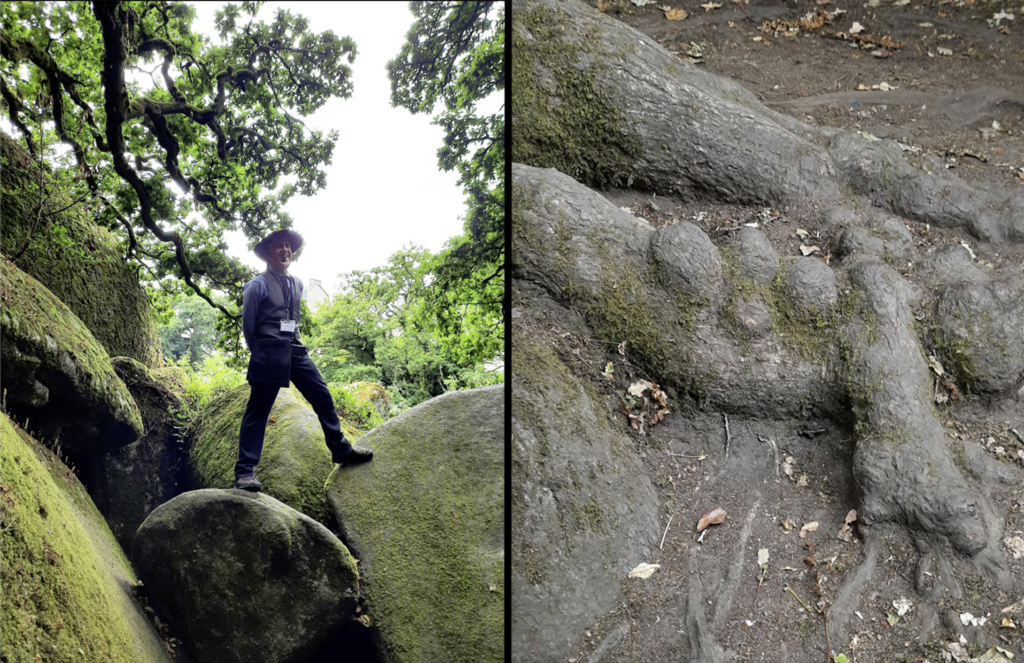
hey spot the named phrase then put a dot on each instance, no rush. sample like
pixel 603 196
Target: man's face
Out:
pixel 279 255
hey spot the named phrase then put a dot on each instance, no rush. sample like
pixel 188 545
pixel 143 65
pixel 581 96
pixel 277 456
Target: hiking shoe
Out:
pixel 248 483
pixel 354 457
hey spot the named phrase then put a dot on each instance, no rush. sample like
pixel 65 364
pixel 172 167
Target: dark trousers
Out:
pixel 307 380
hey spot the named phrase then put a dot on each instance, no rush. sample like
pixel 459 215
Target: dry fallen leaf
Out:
pixel 710 5
pixel 788 524
pixel 714 517
pixel 856 28
pixel 845 534
pixel 676 14
pixel 944 51
pixel 851 516
pixel 603 5
pixel 637 388
pixel 644 570
pixel 809 527
pixel 1007 623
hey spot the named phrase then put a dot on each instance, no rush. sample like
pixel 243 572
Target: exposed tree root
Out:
pixel 732 325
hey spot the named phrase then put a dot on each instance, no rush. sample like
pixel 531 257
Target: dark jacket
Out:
pixel 263 308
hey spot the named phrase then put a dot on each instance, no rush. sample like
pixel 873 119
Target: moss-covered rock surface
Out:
pixel 295 459
pixel 129 483
pixel 374 394
pixel 67 586
pixel 426 519
pixel 56 376
pixel 243 577
pixel 79 261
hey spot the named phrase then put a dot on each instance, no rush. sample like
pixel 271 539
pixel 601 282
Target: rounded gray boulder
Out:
pixel 243 577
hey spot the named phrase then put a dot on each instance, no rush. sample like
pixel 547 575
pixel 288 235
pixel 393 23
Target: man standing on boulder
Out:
pixel 270 323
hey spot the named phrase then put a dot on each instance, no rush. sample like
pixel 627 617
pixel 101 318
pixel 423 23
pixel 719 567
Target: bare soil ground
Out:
pixel 963 111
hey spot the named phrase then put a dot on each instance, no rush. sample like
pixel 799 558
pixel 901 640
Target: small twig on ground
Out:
pixel 662 546
pixel 728 437
pixel 775 450
pixel 740 3
pixel 764 573
pixel 1019 436
pixel 790 590
pixel 682 455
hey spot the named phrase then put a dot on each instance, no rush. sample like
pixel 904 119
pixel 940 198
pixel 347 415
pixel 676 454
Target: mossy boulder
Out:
pixel 56 376
pixel 295 460
pixel 427 519
pixel 79 261
pixel 129 483
pixel 67 586
pixel 372 393
pixel 242 577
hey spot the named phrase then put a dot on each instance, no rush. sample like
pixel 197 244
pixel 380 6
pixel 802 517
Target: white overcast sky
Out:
pixel 384 189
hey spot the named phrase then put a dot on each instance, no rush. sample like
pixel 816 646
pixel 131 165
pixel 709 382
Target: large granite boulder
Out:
pixel 427 519
pixel 57 378
pixel 295 461
pixel 129 483
pixel 242 577
pixel 67 586
pixel 79 261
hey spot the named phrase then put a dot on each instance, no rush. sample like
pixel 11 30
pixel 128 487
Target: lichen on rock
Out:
pixel 427 519
pixel 66 583
pixel 295 460
pixel 76 259
pixel 56 376
pixel 243 577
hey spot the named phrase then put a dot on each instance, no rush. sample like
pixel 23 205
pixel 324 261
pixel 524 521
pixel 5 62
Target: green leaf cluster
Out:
pixel 172 140
pixel 380 329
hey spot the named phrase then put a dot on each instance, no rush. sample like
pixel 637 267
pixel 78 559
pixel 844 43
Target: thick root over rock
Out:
pixel 730 325
pixel 600 101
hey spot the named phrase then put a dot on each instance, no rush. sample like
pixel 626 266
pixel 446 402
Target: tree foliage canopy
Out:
pixel 212 138
pixel 379 329
pixel 454 56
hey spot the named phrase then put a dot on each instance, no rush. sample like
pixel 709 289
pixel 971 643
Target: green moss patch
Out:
pixel 66 583
pixel 43 336
pixel 426 518
pixel 565 124
pixel 295 460
pixel 60 249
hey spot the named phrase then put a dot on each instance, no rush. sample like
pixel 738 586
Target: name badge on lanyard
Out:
pixel 289 325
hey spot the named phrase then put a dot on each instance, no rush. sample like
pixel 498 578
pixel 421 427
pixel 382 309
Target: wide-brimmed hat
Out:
pixel 293 237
